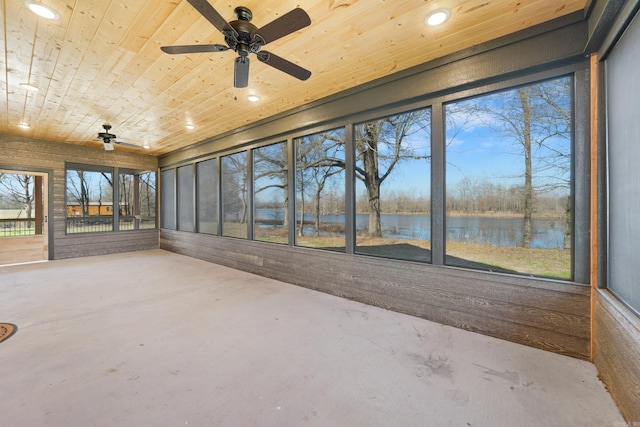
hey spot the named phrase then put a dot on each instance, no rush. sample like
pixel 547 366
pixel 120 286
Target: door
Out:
pixel 24 225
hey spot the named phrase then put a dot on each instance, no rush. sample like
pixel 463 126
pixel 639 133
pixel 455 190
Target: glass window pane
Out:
pixel 508 180
pixel 147 203
pixel 89 201
pixel 320 190
pixel 186 206
pixel 234 195
pixel 168 189
pixel 17 205
pixel 208 196
pixel 270 193
pixel 393 186
pixel 127 202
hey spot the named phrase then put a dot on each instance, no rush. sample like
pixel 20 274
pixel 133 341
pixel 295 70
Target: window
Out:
pixel 168 211
pixel 137 194
pixel 207 173
pixel 186 202
pixel 89 200
pixel 320 190
pixel 623 171
pixel 508 180
pixel 19 205
pixel 270 193
pixel 393 186
pixel 234 195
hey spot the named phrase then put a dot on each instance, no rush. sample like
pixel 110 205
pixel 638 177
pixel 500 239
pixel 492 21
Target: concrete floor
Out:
pixel 157 339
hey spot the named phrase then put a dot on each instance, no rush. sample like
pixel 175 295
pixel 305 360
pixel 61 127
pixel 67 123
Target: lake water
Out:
pixel 546 233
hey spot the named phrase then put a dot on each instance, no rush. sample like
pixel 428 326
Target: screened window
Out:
pixel 137 204
pixel 270 193
pixel 186 203
pixel 234 195
pixel 320 190
pixel 168 211
pixel 393 186
pixel 207 173
pixel 89 199
pixel 508 180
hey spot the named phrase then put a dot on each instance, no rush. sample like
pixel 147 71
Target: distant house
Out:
pixel 95 208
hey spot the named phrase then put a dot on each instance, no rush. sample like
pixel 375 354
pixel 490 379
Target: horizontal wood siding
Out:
pixel 544 314
pixel 617 353
pixel 28 154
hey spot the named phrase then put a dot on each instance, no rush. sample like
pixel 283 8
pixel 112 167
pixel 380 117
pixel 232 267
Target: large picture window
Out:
pixel 508 180
pixel 137 200
pixel 320 190
pixel 488 184
pixel 92 190
pixel 393 186
pixel 234 195
pixel 270 177
pixel 89 200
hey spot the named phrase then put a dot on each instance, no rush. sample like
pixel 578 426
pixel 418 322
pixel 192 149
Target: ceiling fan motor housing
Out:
pixel 245 40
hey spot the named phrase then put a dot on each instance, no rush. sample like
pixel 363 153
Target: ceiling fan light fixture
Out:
pixel 253 98
pixel 437 17
pixel 42 10
pixel 29 87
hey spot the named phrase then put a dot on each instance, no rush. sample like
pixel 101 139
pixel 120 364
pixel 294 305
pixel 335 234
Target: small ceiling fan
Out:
pixel 109 139
pixel 244 38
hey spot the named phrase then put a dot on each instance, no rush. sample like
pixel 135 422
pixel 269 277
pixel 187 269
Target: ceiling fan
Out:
pixel 245 38
pixel 109 139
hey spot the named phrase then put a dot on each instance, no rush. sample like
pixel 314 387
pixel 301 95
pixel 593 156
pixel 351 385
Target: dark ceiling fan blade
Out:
pixel 194 48
pixel 241 72
pixel 286 24
pixel 283 65
pixel 212 15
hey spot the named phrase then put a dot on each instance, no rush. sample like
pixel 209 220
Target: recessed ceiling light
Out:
pixel 190 127
pixel 253 98
pixel 437 17
pixel 146 146
pixel 41 10
pixel 24 125
pixel 29 87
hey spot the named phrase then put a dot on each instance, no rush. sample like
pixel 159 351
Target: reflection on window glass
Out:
pixel 186 205
pixel 234 195
pixel 18 205
pixel 89 201
pixel 270 193
pixel 320 190
pixel 508 192
pixel 393 186
pixel 137 200
pixel 208 196
pixel 168 200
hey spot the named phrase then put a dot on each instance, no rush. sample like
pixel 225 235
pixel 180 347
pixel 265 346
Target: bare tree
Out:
pixel 537 120
pixel 320 157
pixel 380 146
pixel 18 190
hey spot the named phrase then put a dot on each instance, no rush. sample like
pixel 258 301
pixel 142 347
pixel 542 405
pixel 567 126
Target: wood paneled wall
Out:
pixel 540 313
pixel 617 353
pixel 45 156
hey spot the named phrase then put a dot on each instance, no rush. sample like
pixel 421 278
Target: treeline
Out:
pixel 486 197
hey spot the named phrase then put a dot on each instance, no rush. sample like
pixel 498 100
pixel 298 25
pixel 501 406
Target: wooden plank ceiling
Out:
pixel 101 61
